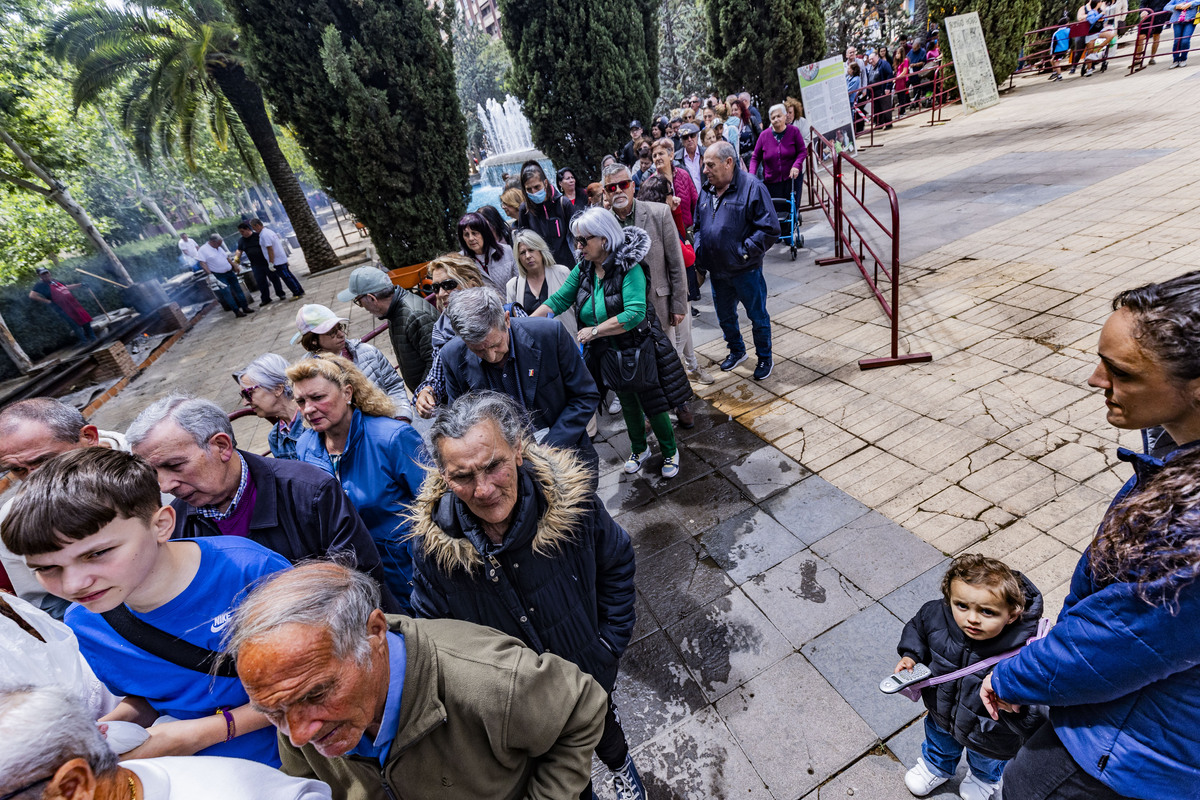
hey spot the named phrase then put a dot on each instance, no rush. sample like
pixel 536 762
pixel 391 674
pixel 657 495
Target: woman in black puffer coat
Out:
pixel 607 289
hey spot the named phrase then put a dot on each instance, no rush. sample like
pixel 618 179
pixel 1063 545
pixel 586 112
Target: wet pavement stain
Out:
pixel 694 773
pixel 809 588
pixel 709 652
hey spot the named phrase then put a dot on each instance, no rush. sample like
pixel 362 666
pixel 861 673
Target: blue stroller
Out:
pixel 789 221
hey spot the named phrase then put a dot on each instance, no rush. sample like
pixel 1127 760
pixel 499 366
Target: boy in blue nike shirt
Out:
pixel 91 526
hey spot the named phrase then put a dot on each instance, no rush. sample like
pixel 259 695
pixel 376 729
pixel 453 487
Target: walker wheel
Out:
pixel 793 252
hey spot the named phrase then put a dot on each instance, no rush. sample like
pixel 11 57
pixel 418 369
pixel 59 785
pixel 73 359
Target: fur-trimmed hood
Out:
pixel 633 249
pixel 552 483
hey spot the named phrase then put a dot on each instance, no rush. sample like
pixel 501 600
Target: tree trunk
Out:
pixel 58 192
pixel 154 208
pixel 144 197
pixel 246 98
pixel 263 203
pixel 14 351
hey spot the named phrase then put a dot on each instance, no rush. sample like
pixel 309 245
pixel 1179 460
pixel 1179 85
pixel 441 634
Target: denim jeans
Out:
pixel 1183 41
pixel 263 274
pixel 235 288
pixel 285 272
pixel 941 753
pixel 750 289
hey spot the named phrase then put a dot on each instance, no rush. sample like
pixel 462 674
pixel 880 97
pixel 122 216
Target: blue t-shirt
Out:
pixel 1061 37
pixel 199 614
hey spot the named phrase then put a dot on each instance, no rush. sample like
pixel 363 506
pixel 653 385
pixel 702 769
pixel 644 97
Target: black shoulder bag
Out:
pixel 169 648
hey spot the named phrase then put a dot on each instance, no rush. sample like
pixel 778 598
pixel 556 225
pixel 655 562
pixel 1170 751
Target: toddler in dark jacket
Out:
pixel 985 609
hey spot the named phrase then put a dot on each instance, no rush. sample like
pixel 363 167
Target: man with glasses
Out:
pixel 690 157
pixel 295 509
pixel 736 225
pixel 410 320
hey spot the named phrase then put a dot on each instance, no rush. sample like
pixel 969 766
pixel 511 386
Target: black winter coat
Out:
pixel 561 581
pixel 410 327
pixel 934 639
pixel 552 221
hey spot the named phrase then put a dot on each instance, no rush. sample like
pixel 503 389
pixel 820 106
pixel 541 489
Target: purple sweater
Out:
pixel 778 157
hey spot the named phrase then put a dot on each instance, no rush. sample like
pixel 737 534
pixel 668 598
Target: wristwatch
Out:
pixel 595 331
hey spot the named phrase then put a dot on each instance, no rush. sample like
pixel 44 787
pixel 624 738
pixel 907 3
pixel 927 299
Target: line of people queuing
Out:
pixel 891 81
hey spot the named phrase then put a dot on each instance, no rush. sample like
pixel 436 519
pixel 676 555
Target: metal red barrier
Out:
pixel 925 92
pixel 855 237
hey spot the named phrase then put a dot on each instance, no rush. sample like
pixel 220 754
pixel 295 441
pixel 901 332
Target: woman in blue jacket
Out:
pixel 1183 20
pixel 1121 669
pixel 378 460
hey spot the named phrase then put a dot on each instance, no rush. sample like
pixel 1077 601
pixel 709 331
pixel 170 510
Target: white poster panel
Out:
pixel 972 67
pixel 826 102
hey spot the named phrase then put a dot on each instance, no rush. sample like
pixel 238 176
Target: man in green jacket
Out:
pixel 391 707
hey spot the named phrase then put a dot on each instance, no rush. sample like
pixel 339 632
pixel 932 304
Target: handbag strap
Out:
pixel 169 648
pixel 913 691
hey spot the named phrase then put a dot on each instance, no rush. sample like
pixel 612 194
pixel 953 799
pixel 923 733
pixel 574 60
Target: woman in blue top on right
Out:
pixel 1120 670
pixel 1183 19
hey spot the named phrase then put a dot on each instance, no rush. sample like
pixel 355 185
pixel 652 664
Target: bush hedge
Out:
pixel 41 330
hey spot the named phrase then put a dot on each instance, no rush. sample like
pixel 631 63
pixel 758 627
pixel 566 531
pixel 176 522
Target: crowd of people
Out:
pixel 420 591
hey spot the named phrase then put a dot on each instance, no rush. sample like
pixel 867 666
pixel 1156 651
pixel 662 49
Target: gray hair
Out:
pixel 723 150
pixel 531 241
pixel 317 594
pixel 269 371
pixel 780 107
pixel 47 728
pixel 216 237
pixel 475 313
pixel 599 221
pixel 613 169
pixel 453 422
pixel 202 419
pixel 62 420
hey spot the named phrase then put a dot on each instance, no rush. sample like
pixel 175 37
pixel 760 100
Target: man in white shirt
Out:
pixel 272 247
pixel 215 260
pixel 187 251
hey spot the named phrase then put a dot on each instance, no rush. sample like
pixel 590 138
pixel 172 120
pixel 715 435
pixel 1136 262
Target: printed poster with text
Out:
pixel 826 102
pixel 972 67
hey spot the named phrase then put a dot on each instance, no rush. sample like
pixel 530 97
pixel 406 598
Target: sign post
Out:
pixel 972 67
pixel 826 102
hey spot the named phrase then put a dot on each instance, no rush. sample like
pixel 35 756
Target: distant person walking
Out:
pixel 249 245
pixel 58 294
pixel 217 261
pixel 272 247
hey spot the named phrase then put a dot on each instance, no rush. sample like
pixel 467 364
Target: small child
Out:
pixel 986 609
pixel 91 526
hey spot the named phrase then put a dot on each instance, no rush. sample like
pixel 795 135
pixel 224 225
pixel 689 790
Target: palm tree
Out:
pixel 175 64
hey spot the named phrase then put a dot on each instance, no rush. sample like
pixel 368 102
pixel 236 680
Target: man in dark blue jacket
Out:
pixel 736 224
pixel 509 534
pixel 534 361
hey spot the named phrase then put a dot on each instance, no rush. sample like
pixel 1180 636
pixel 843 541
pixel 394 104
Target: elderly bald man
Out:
pixel 391 707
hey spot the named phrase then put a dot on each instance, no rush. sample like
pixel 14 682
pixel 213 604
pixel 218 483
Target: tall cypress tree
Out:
pixel 584 71
pixel 367 86
pixel 1003 23
pixel 757 45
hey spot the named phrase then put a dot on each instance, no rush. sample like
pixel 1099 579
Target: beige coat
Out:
pixel 665 277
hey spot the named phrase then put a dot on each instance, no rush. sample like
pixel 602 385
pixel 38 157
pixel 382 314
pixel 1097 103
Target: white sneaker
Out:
pixel 615 406
pixel 634 462
pixel 973 788
pixel 671 466
pixel 700 376
pixel 920 780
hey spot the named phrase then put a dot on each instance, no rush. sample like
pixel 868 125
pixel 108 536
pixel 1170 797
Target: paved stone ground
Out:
pixel 815 511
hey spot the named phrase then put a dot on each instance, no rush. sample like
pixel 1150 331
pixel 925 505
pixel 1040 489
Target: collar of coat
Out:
pixel 633 249
pixel 557 474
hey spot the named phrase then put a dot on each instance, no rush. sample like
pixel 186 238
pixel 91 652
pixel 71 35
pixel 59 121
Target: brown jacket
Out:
pixel 666 281
pixel 481 716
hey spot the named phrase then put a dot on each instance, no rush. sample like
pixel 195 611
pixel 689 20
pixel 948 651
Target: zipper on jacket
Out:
pixel 383 768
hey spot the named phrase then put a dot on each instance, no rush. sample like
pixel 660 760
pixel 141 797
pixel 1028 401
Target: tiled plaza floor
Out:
pixel 815 510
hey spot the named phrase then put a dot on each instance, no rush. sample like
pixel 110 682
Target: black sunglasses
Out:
pixel 581 241
pixel 449 285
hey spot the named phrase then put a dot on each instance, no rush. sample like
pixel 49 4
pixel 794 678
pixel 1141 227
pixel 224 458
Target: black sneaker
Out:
pixel 764 368
pixel 264 302
pixel 695 311
pixel 248 310
pixel 732 361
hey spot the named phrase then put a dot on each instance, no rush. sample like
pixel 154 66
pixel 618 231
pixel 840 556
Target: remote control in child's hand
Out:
pixel 894 683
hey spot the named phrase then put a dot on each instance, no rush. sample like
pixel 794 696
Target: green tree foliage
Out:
pixel 583 71
pixel 682 69
pixel 757 46
pixel 177 64
pixel 481 65
pixel 852 23
pixel 367 87
pixel 1004 23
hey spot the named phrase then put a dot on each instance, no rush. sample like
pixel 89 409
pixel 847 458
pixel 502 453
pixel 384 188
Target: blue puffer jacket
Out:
pixel 733 231
pixel 381 471
pixel 561 580
pixel 1121 677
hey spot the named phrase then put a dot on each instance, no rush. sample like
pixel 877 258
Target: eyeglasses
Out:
pixel 619 186
pixel 581 241
pixel 449 285
pixel 248 391
pixel 688 136
pixel 26 788
pixel 358 300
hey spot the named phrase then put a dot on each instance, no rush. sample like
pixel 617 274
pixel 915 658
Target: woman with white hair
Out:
pixel 780 150
pixel 624 343
pixel 264 388
pixel 53 749
pixel 538 276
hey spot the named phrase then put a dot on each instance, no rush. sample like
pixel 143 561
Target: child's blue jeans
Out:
pixel 941 753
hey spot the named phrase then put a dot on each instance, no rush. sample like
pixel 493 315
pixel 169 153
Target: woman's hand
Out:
pixel 541 311
pixel 673 202
pixel 992 701
pixel 425 403
pixel 794 173
pixel 905 663
pixel 586 335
